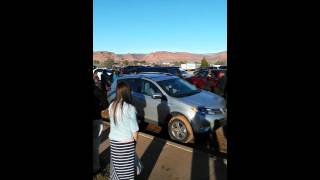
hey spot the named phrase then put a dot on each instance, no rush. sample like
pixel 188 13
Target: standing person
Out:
pixel 112 74
pixel 225 87
pixel 115 75
pixel 110 77
pixel 222 83
pixel 121 71
pixel 104 80
pixel 209 73
pixel 96 79
pixel 123 134
pixel 99 103
pixel 208 82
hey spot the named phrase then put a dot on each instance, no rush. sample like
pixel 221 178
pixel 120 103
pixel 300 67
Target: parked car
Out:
pixel 223 67
pixel 185 74
pixel 174 104
pixel 203 81
pixel 172 70
pixel 131 69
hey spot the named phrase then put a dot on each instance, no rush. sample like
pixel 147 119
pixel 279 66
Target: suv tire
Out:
pixel 180 129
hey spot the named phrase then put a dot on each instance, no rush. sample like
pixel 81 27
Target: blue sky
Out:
pixel 145 26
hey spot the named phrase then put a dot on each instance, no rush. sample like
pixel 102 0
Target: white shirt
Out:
pixel 126 123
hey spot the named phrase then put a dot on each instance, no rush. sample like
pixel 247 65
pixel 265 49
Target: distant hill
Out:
pixel 160 56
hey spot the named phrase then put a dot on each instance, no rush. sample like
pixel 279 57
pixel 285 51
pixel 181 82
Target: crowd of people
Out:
pixel 106 80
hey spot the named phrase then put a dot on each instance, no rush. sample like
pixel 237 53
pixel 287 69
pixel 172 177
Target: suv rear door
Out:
pixel 156 110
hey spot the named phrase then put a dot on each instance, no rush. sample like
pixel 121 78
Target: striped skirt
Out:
pixel 122 160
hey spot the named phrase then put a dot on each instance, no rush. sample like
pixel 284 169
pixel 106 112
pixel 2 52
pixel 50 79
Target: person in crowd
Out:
pixel 225 86
pixel 115 75
pixel 105 85
pixel 209 73
pixel 96 79
pixel 99 103
pixel 123 134
pixel 222 84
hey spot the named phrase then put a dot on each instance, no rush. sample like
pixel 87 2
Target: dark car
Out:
pixel 205 68
pixel 203 81
pixel 171 70
pixel 133 69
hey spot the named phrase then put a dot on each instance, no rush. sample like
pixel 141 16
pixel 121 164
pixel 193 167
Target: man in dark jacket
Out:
pixel 104 80
pixel 99 103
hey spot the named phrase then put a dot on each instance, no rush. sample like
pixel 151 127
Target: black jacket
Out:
pixel 100 102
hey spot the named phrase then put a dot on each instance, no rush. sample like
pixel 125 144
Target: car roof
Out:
pixel 153 76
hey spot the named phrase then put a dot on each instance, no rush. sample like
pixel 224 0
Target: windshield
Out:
pixel 178 87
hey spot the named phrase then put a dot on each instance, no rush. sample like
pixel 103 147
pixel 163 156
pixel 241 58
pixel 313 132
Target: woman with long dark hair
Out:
pixel 123 134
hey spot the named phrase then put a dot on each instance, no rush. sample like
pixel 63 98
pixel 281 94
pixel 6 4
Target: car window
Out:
pixel 149 69
pixel 213 74
pixel 149 88
pixel 157 70
pixel 164 70
pixel 173 71
pixel 145 69
pixel 135 84
pixel 203 74
pixel 178 87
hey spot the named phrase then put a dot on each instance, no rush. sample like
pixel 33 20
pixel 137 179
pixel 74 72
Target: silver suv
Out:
pixel 173 103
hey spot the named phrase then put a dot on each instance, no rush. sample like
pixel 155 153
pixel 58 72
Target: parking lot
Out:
pixel 164 159
pixel 159 97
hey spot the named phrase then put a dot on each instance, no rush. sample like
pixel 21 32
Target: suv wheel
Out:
pixel 180 129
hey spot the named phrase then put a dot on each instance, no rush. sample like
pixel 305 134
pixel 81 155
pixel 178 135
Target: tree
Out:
pixel 142 62
pixel 135 62
pixel 126 62
pixel 96 62
pixel 109 63
pixel 204 62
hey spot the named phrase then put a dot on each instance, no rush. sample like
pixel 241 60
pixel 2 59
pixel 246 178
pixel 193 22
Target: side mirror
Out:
pixel 157 96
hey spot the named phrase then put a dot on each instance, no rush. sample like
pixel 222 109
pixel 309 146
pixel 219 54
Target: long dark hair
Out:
pixel 123 94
